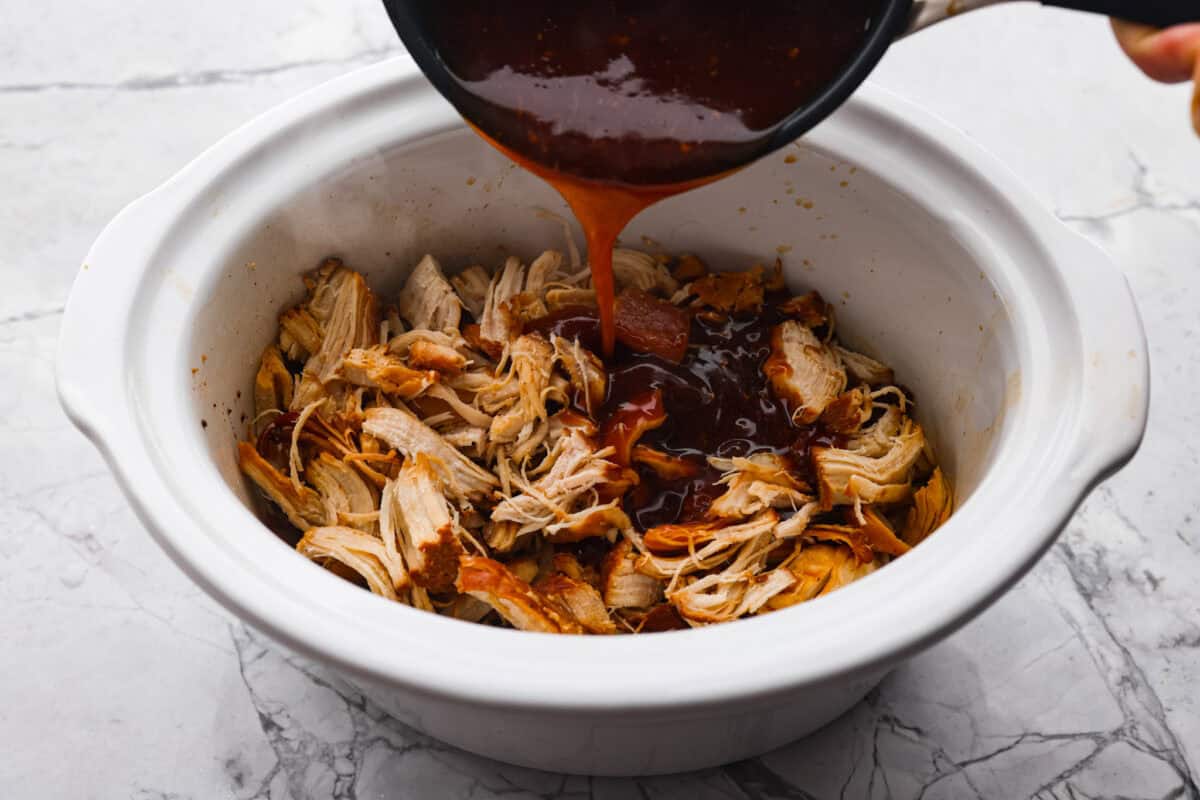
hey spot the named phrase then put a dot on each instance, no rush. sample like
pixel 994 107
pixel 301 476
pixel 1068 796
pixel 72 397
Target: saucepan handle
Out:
pixel 1159 13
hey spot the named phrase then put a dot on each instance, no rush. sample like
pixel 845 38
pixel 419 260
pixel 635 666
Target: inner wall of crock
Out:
pixel 908 290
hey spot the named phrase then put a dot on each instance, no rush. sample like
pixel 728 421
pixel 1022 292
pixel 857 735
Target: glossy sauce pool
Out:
pixel 717 403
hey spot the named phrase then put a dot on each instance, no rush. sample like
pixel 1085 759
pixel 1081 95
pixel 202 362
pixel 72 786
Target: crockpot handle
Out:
pixel 89 363
pixel 1116 366
pixel 1159 13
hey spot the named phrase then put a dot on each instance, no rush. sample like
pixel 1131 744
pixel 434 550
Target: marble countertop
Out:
pixel 121 679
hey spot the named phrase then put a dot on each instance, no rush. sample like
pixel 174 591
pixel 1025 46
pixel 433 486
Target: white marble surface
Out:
pixel 120 679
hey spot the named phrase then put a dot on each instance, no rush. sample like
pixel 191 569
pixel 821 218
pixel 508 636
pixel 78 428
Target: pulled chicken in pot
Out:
pixel 464 449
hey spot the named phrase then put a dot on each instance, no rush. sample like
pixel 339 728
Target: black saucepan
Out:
pixel 898 18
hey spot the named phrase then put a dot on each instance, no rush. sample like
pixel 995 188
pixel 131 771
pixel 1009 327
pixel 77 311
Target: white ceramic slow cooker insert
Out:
pixel 1019 338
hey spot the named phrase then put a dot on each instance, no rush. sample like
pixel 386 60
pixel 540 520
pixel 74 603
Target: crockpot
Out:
pixel 1019 338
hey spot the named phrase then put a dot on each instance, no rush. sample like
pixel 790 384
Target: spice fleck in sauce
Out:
pixel 620 104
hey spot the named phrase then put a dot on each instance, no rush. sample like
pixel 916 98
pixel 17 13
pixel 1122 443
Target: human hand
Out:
pixel 1170 55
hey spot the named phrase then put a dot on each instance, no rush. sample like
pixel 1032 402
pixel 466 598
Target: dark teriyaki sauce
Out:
pixel 717 402
pixel 641 93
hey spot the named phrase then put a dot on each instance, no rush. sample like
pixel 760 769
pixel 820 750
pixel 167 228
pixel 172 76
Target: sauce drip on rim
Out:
pixel 620 104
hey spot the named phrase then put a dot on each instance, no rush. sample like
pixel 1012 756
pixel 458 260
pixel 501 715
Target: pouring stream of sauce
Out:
pixel 603 211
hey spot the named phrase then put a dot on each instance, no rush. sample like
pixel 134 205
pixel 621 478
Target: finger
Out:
pixel 1196 99
pixel 1167 55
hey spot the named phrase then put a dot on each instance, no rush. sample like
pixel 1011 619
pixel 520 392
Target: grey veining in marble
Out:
pixel 122 680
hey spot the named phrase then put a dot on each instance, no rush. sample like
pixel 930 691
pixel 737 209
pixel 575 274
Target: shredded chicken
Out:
pixel 585 369
pixel 804 371
pixel 810 309
pixel 726 292
pixel 761 481
pixel 742 587
pixel 346 310
pixel 532 366
pixel 863 369
pixel 348 498
pixel 416 506
pixel 272 385
pixel 580 599
pixel 623 585
pixel 425 354
pixel 498 323
pixel 449 456
pixel 562 297
pixel 519 603
pixel 544 270
pixel 551 501
pixel 849 411
pixel 428 301
pixel 707 544
pixel 688 267
pixel 932 504
pixel 819 569
pixel 880 536
pixel 664 465
pixel 633 269
pixel 847 477
pixel 463 478
pixel 796 524
pixel 876 439
pixel 375 368
pixel 302 506
pixel 299 333
pixel 360 552
pixel 472 286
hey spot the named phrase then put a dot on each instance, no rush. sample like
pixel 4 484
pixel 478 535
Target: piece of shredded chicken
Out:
pixel 348 315
pixel 551 503
pixel 863 368
pixel 348 498
pixel 633 269
pixel 428 301
pixel 531 369
pixel 521 605
pixel 761 481
pixel 465 480
pixel 931 507
pixel 273 387
pixel 803 371
pixel 454 455
pixel 425 523
pixel 819 568
pixel 302 506
pixel 359 552
pixel 586 372
pixel 849 477
pixel 375 368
